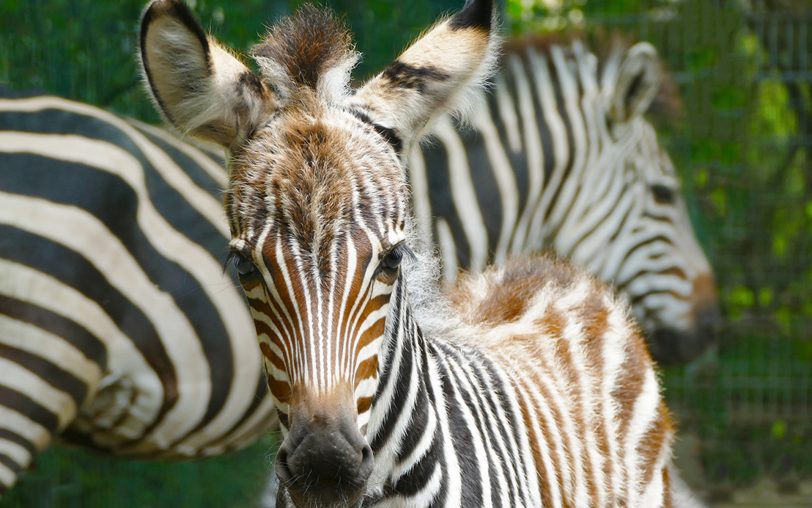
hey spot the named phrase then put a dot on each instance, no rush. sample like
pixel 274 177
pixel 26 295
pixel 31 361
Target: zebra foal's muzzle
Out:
pixel 324 460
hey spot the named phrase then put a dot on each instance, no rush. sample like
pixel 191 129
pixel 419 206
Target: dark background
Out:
pixel 741 138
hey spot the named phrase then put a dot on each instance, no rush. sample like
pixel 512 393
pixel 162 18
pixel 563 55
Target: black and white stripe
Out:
pixel 118 326
pixel 478 416
pixel 559 157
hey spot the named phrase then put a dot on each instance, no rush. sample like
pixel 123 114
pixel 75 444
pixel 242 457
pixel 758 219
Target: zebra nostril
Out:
pixel 281 466
pixel 367 461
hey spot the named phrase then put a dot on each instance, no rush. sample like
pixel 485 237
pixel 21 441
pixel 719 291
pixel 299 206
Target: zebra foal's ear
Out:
pixel 638 81
pixel 199 86
pixel 434 74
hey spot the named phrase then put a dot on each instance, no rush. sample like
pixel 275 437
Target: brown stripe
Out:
pixel 529 407
pixel 350 318
pixel 267 352
pixel 650 448
pixel 595 317
pixel 553 323
pixel 367 369
pixel 627 388
pixel 534 372
pixel 269 308
pixel 364 404
pixel 279 389
pixel 667 500
pixel 373 332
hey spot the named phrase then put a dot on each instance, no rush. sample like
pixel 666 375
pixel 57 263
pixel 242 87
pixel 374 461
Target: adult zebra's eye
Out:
pixel 662 194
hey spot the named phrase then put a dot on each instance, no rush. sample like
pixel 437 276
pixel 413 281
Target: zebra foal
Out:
pixel 531 387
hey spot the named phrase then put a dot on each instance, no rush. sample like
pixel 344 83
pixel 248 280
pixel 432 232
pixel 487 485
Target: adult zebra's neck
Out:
pixel 403 426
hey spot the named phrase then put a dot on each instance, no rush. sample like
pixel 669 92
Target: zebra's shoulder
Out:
pixel 541 297
pixel 522 288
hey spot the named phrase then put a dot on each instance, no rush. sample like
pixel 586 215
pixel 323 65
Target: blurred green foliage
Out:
pixel 743 144
pixel 73 478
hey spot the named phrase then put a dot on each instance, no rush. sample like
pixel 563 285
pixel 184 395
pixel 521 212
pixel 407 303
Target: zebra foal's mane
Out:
pixel 311 49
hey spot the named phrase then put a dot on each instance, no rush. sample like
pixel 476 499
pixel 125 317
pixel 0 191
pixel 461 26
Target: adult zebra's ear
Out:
pixel 433 75
pixel 637 83
pixel 200 87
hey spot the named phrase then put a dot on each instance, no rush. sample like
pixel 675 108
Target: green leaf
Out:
pixel 778 430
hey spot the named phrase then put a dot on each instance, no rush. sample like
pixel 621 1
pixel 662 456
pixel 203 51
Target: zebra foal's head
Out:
pixel 317 204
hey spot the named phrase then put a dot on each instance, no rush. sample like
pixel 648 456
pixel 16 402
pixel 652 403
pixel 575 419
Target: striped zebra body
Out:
pixel 93 348
pixel 118 327
pixel 529 386
pixel 546 399
pixel 559 157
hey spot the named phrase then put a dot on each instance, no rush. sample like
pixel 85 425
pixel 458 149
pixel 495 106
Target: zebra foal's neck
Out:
pixel 536 396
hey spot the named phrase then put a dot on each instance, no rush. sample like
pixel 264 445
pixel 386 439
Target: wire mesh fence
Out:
pixel 742 142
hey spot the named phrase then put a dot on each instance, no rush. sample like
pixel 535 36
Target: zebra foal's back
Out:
pixel 574 397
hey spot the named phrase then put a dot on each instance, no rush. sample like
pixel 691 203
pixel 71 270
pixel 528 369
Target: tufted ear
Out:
pixel 433 75
pixel 637 83
pixel 199 86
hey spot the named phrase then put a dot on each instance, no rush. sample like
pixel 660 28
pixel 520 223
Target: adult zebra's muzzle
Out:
pixel 324 461
pixel 672 346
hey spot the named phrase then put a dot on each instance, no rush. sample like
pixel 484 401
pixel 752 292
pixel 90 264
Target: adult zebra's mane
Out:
pixel 606 46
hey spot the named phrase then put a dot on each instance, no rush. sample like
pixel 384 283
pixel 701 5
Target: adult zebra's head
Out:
pixel 317 204
pixel 630 224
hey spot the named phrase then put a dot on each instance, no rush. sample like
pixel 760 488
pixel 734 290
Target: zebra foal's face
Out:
pixel 317 204
pixel 318 232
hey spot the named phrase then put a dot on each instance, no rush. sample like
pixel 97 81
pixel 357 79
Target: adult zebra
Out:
pixel 104 358
pixel 118 327
pixel 536 391
pixel 559 157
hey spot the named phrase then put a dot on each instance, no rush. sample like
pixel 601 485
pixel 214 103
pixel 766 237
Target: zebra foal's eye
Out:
pixel 245 267
pixel 662 194
pixel 390 262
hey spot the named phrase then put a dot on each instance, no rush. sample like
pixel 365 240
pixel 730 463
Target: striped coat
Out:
pixel 558 156
pixel 532 386
pixel 118 327
pixel 540 394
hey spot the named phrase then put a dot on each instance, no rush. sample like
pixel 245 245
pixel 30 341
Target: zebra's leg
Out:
pixel 45 377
